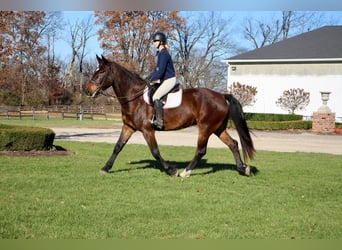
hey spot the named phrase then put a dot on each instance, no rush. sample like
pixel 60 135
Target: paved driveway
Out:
pixel 271 141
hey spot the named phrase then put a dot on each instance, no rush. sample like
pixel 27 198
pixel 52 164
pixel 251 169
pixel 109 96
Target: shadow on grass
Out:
pixel 203 164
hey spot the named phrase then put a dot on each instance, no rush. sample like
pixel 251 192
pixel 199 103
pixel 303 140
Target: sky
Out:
pixel 63 49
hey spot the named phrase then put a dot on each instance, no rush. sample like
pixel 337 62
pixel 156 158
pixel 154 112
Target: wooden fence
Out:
pixel 60 111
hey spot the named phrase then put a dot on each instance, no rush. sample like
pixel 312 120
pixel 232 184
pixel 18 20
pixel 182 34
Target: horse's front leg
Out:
pixel 201 150
pixel 126 133
pixel 150 138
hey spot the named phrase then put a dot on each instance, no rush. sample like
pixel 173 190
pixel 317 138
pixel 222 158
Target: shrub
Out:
pixel 293 99
pixel 272 117
pixel 21 138
pixel 261 121
pixel 283 125
pixel 245 94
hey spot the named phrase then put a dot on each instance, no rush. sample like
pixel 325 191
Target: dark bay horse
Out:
pixel 203 107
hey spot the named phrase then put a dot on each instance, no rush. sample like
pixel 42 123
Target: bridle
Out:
pixel 100 91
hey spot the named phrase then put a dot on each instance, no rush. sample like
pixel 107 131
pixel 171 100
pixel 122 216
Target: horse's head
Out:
pixel 101 79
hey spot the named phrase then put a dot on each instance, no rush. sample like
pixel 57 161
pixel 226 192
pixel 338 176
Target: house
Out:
pixel 311 61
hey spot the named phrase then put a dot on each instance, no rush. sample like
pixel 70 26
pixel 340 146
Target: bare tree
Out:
pixel 261 34
pixel 80 33
pixel 293 99
pixel 201 43
pixel 288 23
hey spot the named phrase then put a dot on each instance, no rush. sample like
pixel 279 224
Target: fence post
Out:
pixel 19 110
pixel 81 112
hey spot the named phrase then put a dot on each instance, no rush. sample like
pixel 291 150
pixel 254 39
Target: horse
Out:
pixel 207 109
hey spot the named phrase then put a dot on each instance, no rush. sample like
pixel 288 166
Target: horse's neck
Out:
pixel 127 84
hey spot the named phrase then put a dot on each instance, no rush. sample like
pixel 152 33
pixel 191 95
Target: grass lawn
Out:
pixel 114 122
pixel 294 196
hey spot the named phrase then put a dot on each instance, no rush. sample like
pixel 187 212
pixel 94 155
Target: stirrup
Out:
pixel 152 120
pixel 157 124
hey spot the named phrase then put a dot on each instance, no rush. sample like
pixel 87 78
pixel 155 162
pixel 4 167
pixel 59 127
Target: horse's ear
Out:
pixel 105 60
pixel 99 59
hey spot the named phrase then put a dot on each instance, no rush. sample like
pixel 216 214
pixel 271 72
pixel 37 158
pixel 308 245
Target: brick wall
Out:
pixel 323 122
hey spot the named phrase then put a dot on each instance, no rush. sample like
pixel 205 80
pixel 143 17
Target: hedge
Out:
pixel 283 125
pixel 265 121
pixel 22 138
pixel 272 117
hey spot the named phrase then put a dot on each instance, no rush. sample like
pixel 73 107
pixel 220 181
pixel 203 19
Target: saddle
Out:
pixel 171 100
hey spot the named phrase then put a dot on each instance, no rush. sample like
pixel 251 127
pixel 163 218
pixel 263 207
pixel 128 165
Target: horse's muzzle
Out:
pixel 91 90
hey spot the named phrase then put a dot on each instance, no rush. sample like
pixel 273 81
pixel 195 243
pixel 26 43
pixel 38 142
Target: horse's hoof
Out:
pixel 174 172
pixel 102 171
pixel 185 174
pixel 248 171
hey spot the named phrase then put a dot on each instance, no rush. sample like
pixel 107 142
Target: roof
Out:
pixel 323 44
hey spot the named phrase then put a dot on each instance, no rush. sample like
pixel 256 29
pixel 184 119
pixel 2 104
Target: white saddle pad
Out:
pixel 173 100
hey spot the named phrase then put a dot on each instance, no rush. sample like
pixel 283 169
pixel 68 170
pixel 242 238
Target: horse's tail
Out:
pixel 238 117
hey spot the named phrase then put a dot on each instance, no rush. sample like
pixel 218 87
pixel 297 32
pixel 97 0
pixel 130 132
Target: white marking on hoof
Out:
pixel 185 174
pixel 103 172
pixel 248 171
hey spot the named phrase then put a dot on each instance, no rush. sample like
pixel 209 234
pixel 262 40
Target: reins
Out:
pixel 138 94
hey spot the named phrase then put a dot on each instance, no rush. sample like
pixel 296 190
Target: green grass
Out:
pixel 294 195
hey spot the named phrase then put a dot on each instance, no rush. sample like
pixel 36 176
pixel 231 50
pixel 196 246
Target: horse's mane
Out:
pixel 128 72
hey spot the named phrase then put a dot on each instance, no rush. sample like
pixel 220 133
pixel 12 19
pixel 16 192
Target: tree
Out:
pixel 261 33
pixel 9 90
pixel 293 99
pixel 126 36
pixel 23 53
pixel 201 42
pixel 80 33
pixel 245 94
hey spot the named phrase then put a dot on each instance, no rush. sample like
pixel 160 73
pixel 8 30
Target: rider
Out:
pixel 163 73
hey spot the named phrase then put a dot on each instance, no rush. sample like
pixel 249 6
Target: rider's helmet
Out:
pixel 159 36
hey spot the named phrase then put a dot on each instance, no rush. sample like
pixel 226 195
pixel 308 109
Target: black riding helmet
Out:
pixel 159 36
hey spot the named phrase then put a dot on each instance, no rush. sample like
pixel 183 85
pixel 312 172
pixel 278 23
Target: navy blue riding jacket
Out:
pixel 164 67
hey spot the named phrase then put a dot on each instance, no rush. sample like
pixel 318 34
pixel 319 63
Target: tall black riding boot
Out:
pixel 158 122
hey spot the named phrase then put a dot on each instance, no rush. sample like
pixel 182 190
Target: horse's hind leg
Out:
pixel 126 133
pixel 233 146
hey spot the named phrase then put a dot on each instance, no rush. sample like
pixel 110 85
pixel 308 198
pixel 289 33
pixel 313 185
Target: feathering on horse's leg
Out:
pixel 126 133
